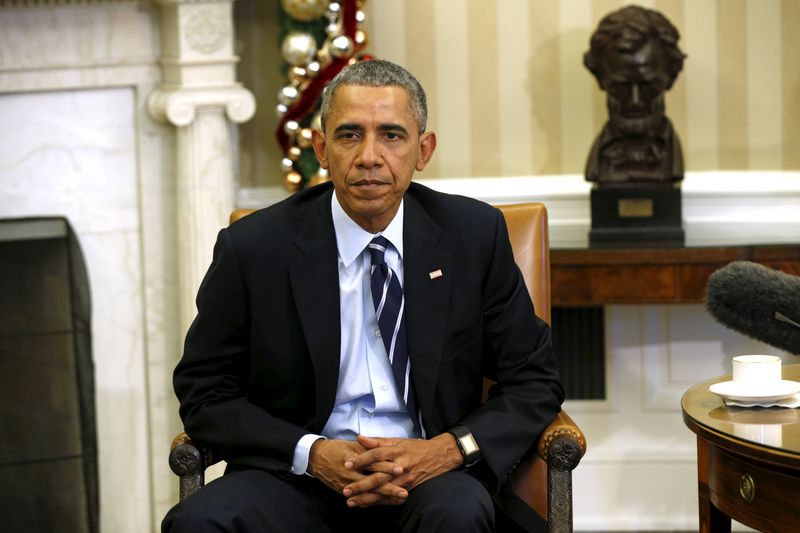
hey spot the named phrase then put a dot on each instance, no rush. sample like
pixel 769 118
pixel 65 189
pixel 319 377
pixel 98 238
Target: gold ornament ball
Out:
pixel 297 75
pixel 298 48
pixel 294 153
pixel 287 95
pixel 305 10
pixel 312 69
pixel 341 46
pixel 304 138
pixel 290 127
pixel 292 181
pixel 333 10
pixel 361 39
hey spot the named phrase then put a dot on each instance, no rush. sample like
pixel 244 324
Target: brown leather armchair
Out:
pixel 544 479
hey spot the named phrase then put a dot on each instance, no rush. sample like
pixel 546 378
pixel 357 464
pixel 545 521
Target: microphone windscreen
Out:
pixel 746 296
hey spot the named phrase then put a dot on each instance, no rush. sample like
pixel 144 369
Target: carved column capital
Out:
pixel 198 64
pixel 179 106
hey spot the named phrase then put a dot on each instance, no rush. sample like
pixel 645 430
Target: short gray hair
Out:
pixel 378 73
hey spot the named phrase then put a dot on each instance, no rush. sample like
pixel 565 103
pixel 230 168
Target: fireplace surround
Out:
pixel 48 442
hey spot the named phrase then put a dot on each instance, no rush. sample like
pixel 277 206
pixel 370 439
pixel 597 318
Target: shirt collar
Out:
pixel 351 239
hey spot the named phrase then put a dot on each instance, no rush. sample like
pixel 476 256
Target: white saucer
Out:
pixel 730 390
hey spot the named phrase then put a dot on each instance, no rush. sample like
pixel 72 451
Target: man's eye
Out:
pixel 348 135
pixel 392 136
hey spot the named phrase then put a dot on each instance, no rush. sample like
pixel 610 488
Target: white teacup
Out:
pixel 756 371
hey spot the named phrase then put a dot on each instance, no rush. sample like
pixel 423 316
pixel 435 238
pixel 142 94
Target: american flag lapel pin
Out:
pixel 436 273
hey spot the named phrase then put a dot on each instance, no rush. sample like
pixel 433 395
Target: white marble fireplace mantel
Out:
pixel 112 110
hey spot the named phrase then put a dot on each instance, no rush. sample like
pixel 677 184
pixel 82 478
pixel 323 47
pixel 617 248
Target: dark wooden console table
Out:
pixel 584 280
pixel 600 276
pixel 748 461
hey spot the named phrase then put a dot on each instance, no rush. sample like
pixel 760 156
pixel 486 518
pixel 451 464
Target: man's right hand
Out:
pixel 326 462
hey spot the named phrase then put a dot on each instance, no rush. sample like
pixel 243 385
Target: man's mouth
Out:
pixel 368 183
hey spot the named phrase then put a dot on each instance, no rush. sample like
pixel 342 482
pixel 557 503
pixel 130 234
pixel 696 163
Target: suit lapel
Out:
pixel 427 296
pixel 315 286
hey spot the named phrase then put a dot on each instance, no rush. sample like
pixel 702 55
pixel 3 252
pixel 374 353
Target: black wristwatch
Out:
pixel 467 445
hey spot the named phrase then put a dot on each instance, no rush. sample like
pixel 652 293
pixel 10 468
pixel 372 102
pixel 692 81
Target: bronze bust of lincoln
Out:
pixel 635 57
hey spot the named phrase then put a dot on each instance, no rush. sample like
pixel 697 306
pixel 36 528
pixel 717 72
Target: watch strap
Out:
pixel 470 451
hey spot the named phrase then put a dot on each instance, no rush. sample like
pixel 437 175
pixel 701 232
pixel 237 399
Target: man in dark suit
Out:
pixel 342 336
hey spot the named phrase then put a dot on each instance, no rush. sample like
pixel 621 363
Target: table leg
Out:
pixel 712 520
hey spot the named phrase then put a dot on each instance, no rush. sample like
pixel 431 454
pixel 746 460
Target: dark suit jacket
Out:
pixel 261 360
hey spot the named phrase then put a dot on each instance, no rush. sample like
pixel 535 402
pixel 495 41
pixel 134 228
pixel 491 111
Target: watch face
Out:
pixel 469 444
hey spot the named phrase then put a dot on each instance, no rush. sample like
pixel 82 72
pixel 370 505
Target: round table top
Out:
pixel 772 433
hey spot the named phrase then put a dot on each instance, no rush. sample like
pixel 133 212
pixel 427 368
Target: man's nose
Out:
pixel 368 154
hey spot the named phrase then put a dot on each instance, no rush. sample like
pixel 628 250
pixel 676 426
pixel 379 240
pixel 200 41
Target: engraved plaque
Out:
pixel 635 207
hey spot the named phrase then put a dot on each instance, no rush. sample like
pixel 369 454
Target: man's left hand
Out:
pixel 420 460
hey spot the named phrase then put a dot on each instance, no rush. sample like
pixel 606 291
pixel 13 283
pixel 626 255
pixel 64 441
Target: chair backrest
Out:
pixel 239 213
pixel 528 233
pixel 527 230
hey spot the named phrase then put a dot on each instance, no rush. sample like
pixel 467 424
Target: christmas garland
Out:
pixel 320 38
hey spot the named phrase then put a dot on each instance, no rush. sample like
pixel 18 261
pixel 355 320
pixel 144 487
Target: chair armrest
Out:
pixel 189 460
pixel 562 443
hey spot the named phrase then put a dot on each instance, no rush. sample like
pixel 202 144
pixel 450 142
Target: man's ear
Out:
pixel 318 140
pixel 427 145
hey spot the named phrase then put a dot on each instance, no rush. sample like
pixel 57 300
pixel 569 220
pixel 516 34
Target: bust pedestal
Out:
pixel 636 215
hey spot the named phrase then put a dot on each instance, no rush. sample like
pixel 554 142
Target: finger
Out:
pixel 368 458
pixel 382 501
pixel 369 499
pixel 387 467
pixel 370 483
pixel 375 442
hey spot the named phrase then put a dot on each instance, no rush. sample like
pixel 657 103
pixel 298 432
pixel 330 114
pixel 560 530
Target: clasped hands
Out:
pixel 381 471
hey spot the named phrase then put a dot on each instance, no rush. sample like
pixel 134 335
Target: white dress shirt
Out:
pixel 367 400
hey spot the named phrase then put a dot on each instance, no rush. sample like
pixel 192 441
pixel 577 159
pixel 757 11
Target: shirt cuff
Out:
pixel 301 452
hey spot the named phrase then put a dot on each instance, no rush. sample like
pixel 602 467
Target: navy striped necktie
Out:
pixel 387 295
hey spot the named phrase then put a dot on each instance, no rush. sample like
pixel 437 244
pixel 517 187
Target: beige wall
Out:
pixel 509 94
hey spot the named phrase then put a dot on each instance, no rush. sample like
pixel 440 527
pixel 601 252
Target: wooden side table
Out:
pixel 748 461
pixel 598 276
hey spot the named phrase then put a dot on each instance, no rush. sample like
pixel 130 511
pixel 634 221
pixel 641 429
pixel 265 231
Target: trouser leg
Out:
pixel 247 501
pixel 455 501
pixel 256 501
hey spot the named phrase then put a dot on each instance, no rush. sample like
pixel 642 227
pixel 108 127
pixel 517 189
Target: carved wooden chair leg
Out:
pixel 563 455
